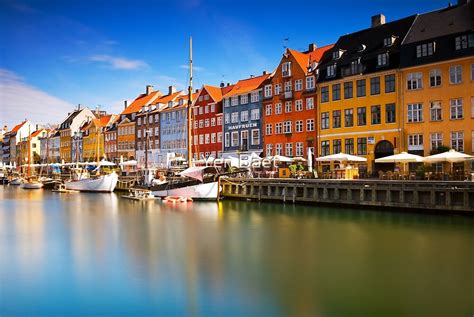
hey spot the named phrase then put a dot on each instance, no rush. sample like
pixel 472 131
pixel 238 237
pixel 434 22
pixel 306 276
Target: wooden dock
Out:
pixel 454 196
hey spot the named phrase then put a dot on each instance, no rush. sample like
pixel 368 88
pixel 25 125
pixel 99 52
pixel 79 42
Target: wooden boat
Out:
pixel 139 194
pixel 32 184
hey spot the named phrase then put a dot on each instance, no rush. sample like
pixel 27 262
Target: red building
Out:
pixel 207 121
pixel 289 104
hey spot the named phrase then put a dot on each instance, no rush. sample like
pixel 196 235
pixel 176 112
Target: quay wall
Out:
pixel 457 196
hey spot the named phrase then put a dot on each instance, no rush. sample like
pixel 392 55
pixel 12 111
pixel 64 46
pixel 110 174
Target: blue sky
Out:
pixel 56 54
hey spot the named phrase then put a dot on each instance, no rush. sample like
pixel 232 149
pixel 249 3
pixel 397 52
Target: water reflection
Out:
pixel 105 255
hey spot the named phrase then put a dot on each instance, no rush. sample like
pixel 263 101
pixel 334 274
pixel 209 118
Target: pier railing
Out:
pixel 427 195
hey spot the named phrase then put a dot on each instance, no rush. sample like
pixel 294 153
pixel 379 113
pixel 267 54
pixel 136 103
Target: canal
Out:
pixel 100 255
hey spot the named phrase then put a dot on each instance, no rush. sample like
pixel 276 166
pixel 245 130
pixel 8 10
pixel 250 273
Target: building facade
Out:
pixel 359 109
pixel 437 79
pixel 289 104
pixel 243 116
pixel 110 142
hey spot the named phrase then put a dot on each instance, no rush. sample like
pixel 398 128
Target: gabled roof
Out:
pixel 167 98
pixel 214 92
pixel 18 127
pixel 247 85
pixel 226 89
pixel 37 132
pixel 103 121
pixel 140 101
pixel 450 20
pixel 317 54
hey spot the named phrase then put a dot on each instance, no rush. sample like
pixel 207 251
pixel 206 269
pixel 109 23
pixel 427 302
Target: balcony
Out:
pixel 286 73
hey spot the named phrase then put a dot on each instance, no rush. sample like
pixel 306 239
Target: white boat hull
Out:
pixel 16 182
pixel 32 185
pixel 207 191
pixel 103 183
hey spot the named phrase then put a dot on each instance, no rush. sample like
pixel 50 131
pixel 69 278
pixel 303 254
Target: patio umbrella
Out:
pixel 402 157
pixel 310 160
pixel 298 159
pixel 280 158
pixel 106 163
pixel 341 157
pixel 452 156
pixel 129 163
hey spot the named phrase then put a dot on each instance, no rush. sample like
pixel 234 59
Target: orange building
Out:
pixel 289 104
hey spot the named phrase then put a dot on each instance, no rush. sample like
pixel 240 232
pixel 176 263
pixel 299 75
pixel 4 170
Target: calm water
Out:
pixel 100 255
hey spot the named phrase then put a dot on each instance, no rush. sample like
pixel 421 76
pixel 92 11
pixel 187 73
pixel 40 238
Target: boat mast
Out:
pixel 97 138
pixel 190 101
pixel 29 151
pixel 146 142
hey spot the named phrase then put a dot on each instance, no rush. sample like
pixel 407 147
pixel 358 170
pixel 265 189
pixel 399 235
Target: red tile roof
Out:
pixel 226 89
pixel 102 121
pixel 315 56
pixel 18 126
pixel 305 59
pixel 37 132
pixel 214 92
pixel 141 101
pixel 166 98
pixel 247 85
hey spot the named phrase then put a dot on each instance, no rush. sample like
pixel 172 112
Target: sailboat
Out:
pixel 195 184
pixel 95 183
pixel 31 182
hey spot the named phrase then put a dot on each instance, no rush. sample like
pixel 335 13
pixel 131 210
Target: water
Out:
pixel 100 255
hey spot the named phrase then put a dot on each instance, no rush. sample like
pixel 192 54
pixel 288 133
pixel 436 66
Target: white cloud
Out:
pixel 18 101
pixel 118 62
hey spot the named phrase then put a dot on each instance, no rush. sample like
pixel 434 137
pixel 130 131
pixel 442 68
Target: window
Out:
pixel 361 89
pixel 268 110
pixel 278 128
pixel 325 94
pixel 464 41
pixel 336 92
pixel 277 89
pixel 415 142
pixel 309 82
pixel 255 114
pixel 150 119
pixel 336 54
pixel 206 108
pixel 234 102
pixel 336 119
pixel 207 138
pixel 287 106
pixel 348 90
pixel 299 149
pixel 139 121
pixel 435 111
pixel 436 140
pixel 390 114
pixel 213 108
pixel 435 78
pixel 455 74
pixel 268 90
pixel 389 83
pixel 361 116
pixel 324 148
pixel 255 137
pixel 219 120
pixel 298 84
pixel 234 117
pixel 269 150
pixel 278 149
pixel 324 120
pixel 287 126
pixel 349 146
pixel 278 108
pixel 457 141
pixel 388 41
pixel 289 149
pixel 375 114
pixel 269 129
pixel 219 137
pixel 375 85
pixel 426 49
pixel 456 109
pixel 227 102
pixel 244 116
pixel 310 125
pixel 349 117
pixel 331 71
pixel 414 81
pixel 336 146
pixel 235 138
pixel 244 139
pixel 415 112
pixel 213 122
pixel 382 59
pixel 309 103
pixel 361 146
pixel 299 126
pixel 286 69
pixel 299 105
pixel 244 99
pixel 288 86
pixel 254 96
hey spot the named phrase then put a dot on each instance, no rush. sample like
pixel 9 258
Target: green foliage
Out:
pixel 440 149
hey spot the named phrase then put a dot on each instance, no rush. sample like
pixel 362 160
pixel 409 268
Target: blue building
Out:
pixel 243 116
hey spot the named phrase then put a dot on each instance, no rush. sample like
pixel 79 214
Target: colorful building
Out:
pixel 31 145
pixel 437 81
pixel 110 141
pixel 359 109
pixel 20 131
pixel 289 104
pixel 93 138
pixel 243 116
pixel 207 122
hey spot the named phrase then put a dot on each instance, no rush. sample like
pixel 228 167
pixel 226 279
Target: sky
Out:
pixel 56 54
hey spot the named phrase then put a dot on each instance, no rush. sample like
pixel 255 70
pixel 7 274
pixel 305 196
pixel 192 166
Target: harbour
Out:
pixel 63 254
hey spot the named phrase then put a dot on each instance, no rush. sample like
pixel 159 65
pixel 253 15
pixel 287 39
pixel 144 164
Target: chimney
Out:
pixel 264 72
pixel 37 127
pixel 149 89
pixel 171 90
pixel 125 104
pixel 377 20
pixel 228 84
pixel 222 85
pixel 78 106
pixel 312 47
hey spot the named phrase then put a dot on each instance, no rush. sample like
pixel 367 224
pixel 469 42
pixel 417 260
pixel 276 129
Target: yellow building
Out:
pixel 438 82
pixel 358 94
pixel 93 139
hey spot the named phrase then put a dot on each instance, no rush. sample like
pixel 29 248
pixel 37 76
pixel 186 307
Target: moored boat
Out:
pixel 32 184
pixel 101 183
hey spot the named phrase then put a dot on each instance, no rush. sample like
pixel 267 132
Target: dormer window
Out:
pixel 170 104
pixel 180 102
pixel 426 49
pixel 388 41
pixel 361 48
pixel 464 41
pixel 286 69
pixel 337 54
pixel 382 60
pixel 331 71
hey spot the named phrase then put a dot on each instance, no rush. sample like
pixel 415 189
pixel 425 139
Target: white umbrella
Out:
pixel 106 163
pixel 452 156
pixel 310 160
pixel 280 158
pixel 298 159
pixel 341 157
pixel 402 157
pixel 129 163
